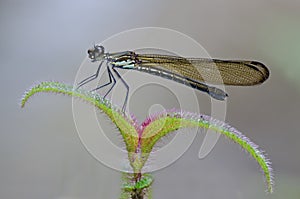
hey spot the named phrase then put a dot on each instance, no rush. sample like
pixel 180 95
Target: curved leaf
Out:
pixel 157 127
pixel 124 123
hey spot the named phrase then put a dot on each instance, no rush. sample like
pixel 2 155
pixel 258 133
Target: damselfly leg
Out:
pixel 90 78
pixel 112 79
pixel 127 88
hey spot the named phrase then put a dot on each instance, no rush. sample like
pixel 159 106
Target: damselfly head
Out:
pixel 96 53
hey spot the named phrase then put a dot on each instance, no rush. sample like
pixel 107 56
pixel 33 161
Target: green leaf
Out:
pixel 125 124
pixel 132 187
pixel 167 122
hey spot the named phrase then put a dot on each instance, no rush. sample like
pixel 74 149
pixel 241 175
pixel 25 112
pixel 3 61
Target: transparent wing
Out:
pixel 212 71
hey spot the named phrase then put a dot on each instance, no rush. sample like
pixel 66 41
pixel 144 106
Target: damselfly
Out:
pixel 193 72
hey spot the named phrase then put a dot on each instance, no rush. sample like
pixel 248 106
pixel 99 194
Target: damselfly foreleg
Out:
pixel 112 79
pixel 90 78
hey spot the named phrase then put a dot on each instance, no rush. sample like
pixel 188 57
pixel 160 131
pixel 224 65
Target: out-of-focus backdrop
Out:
pixel 40 151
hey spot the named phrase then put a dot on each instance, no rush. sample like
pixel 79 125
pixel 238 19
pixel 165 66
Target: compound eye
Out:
pixel 91 54
pixel 100 49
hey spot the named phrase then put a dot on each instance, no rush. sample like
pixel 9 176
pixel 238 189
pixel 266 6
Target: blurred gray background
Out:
pixel 41 154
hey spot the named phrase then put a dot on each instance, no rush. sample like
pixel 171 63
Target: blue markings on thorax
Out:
pixel 129 64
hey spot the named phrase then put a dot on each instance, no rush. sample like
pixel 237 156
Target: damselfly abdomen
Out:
pixel 198 73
